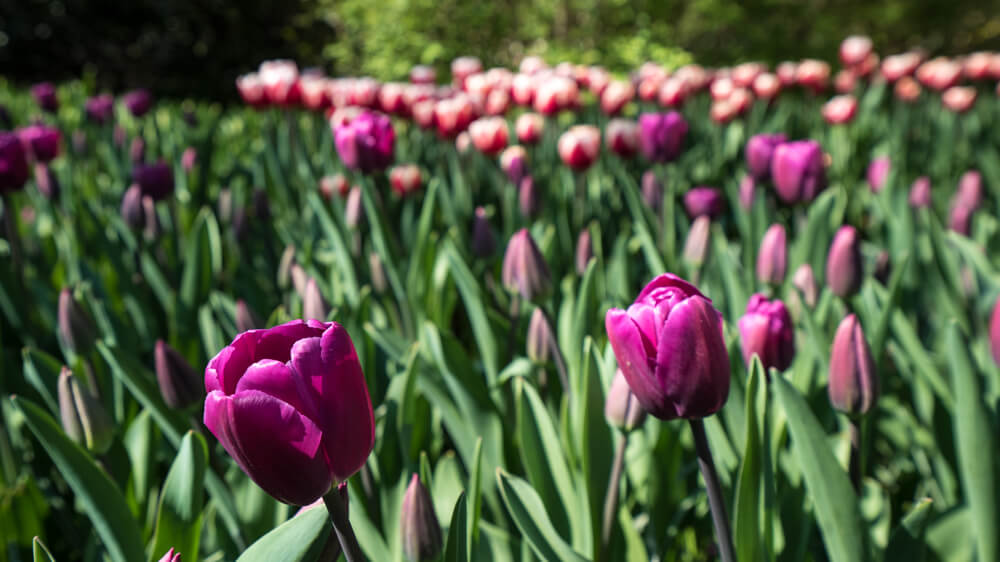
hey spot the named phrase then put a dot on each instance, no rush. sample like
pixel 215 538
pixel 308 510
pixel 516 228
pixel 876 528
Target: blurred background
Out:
pixel 198 47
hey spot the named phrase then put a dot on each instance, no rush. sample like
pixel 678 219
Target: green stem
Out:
pixel 720 519
pixel 337 510
pixel 611 498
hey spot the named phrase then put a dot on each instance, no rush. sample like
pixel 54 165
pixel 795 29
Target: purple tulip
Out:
pixel 291 406
pixel 843 263
pixel 970 191
pixel 524 268
pixel 797 171
pixel 853 385
pixel 920 193
pixel 766 331
pixel 155 180
pixel 960 219
pixel 179 384
pixel 670 347
pixel 418 526
pixel 132 211
pixel 527 197
pixel 652 191
pixel 584 251
pixel 748 190
pixel 366 142
pixel 661 135
pixel 138 102
pixel 42 142
pixel 45 96
pixel 772 259
pixel 759 150
pixel 100 108
pixel 484 242
pixel 878 172
pixel 703 201
pixel 622 408
pixel 13 163
pixel 46 181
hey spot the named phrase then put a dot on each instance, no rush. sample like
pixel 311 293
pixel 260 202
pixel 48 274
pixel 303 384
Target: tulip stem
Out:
pixel 342 526
pixel 611 498
pixel 13 238
pixel 720 519
pixel 854 465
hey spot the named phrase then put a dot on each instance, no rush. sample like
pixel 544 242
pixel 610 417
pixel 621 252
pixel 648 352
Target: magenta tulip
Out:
pixel 366 142
pixel 45 96
pixel 772 259
pixel 878 172
pixel 766 331
pixel 703 201
pixel 13 163
pixel 42 142
pixel 797 171
pixel 843 263
pixel 759 150
pixel 854 385
pixel 524 268
pixel 661 135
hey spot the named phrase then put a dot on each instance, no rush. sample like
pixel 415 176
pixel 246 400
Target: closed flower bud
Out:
pixel 180 384
pixel 285 266
pixel 41 142
pixel 621 408
pixel 366 143
pixel 805 281
pixel 541 343
pixel 878 172
pixel 313 305
pixel 377 272
pixel 138 102
pixel 670 347
pixel 99 109
pixel 527 197
pixel 45 96
pixel 84 418
pixel 797 170
pixel 970 190
pixel 137 150
pixel 843 263
pixel 189 158
pixel 132 211
pixel 652 191
pixel 155 180
pixel 353 212
pixel 584 251
pixel 772 259
pixel 855 49
pixel 514 163
pixel 960 219
pixel 703 201
pixel 13 163
pixel 759 150
pixel 171 556
pixel 75 325
pixel 484 243
pixel 696 245
pixel 579 146
pixel 766 331
pixel 854 384
pixel 152 229
pixel 246 320
pixel 524 269
pixel 840 109
pixel 529 127
pixel 959 98
pixel 489 134
pixel 418 526
pixel 661 135
pixel 46 181
pixel 920 193
pixel 748 189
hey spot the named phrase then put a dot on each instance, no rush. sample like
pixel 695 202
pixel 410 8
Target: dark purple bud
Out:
pixel 703 201
pixel 854 384
pixel 484 242
pixel 766 331
pixel 584 251
pixel 524 269
pixel 527 197
pixel 138 102
pixel 179 383
pixel 13 163
pixel 759 150
pixel 75 325
pixel 155 180
pixel 772 259
pixel 843 263
pixel 45 96
pixel 100 109
pixel 41 142
pixel 366 143
pixel 418 526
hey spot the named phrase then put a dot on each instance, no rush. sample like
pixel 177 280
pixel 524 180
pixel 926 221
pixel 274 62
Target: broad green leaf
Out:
pixel 345 264
pixel 468 287
pixel 907 541
pixel 834 501
pixel 457 548
pixel 178 523
pixel 746 509
pixel 300 539
pixel 101 499
pixel 476 488
pixel 531 518
pixel 42 371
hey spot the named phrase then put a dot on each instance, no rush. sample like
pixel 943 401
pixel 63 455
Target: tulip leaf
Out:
pixel 345 264
pixel 42 371
pixel 976 444
pixel 300 539
pixel 907 541
pixel 139 445
pixel 834 501
pixel 39 552
pixel 531 518
pixel 476 488
pixel 641 225
pixel 178 523
pixel 100 498
pixel 594 438
pixel 369 538
pixel 457 548
pixel 746 508
pixel 895 287
pixel 475 308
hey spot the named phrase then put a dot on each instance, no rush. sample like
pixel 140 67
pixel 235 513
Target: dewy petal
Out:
pixel 630 350
pixel 278 447
pixel 692 364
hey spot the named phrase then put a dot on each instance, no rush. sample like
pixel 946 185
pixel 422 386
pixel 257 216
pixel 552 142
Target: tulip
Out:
pixel 939 73
pixel 744 75
pixel 541 342
pixel 797 171
pixel 622 137
pixel 529 128
pixel 696 245
pixel 878 172
pixel 41 142
pixel 766 86
pixel 171 556
pixel 13 163
pixel 652 191
pixel 748 189
pixel 313 304
pixel 813 74
pixel 672 93
pixel 661 135
pixel 920 193
pixel 786 72
pixel 137 150
pixel 99 109
pixel 452 116
pixel 907 89
pixel 514 163
pixel 245 318
pixel 615 96
pixel 772 258
pixel 293 393
pixel 489 134
pixel 45 96
pixel 138 102
pixel 532 64
pixel 353 211
pixel 189 158
pixel 155 180
pixel 83 417
pixel 959 98
pixel 179 382
pixel 759 150
pixel 366 143
pixel 579 146
pixel 335 184
pixel 524 269
pixel 75 325
pixel 995 332
pixel 970 190
pixel 418 526
pixel 766 331
pixel 527 197
pixel 151 219
pixel 854 384
pixel 703 201
pixel 844 82
pixel 584 251
pixel 463 142
pixel 405 179
pixel 46 181
pixel 423 74
pixel 251 89
pixel 621 408
pixel 484 242
pixel 555 94
pixel 895 67
pixel 670 347
pixel 855 49
pixel 280 82
pixel 960 219
pixel 805 281
pixel 463 67
pixel 843 263
pixel 840 109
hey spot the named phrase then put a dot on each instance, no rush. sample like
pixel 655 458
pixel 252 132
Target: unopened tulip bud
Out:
pixel 527 197
pixel 579 146
pixel 484 243
pixel 854 384
pixel 798 171
pixel 878 172
pixel 621 408
pixel 995 332
pixel 703 201
pixel 132 211
pixel 299 280
pixel 83 417
pixel 696 245
pixel 772 259
pixel 285 267
pixel 622 137
pixel 541 344
pixel 759 151
pixel 179 383
pixel 419 527
pixel 524 269
pixel 138 102
pixel 652 191
pixel 352 208
pixel 171 556
pixel 46 181
pixel 843 263
pixel 514 163
pixel 805 281
pixel 45 96
pixel 75 325
pixel 246 320
pixel 137 150
pixel 766 331
pixel 960 219
pixel 584 251
pixel 189 158
pixel 748 189
pixel 377 271
pixel 661 135
pixel 529 127
pixel 313 305
pixel 920 193
pixel 152 220
pixel 970 190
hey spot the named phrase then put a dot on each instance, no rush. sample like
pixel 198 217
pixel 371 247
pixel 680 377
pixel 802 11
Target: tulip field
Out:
pixel 545 313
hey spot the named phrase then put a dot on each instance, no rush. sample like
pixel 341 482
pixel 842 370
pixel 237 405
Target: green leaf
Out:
pixel 345 264
pixel 529 514
pixel 42 371
pixel 39 551
pixel 834 501
pixel 746 508
pixel 178 523
pixel 302 538
pixel 457 549
pixel 468 287
pixel 476 487
pixel 139 445
pixel 907 541
pixel 976 444
pixel 101 499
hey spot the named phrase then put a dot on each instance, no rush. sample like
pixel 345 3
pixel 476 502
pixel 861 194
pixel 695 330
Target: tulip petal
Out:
pixel 226 368
pixel 278 380
pixel 630 350
pixel 692 364
pixel 668 281
pixel 276 343
pixel 277 446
